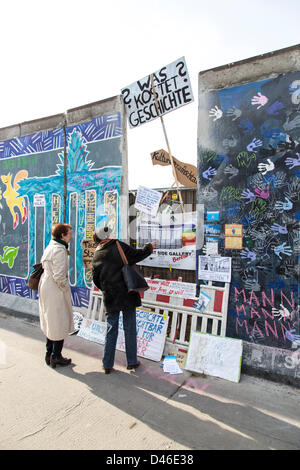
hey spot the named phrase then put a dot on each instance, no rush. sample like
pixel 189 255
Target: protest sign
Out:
pixel 184 290
pixel 88 250
pixel 151 333
pixel 214 268
pixel 215 355
pixel 147 200
pixel 173 89
pixel 186 174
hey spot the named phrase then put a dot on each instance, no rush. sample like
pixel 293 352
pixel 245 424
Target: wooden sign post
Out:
pixel 167 142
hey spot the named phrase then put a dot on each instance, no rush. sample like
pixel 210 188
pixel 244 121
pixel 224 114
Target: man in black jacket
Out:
pixel 107 276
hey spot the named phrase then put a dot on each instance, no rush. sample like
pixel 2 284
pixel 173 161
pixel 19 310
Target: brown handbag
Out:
pixel 134 280
pixel 35 276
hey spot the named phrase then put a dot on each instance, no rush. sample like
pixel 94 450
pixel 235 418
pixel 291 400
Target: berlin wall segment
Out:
pixel 32 190
pixel 249 171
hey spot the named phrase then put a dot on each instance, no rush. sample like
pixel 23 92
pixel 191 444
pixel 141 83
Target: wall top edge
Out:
pixel 252 59
pixel 78 114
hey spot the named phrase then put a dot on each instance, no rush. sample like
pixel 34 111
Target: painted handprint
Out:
pixel 279 229
pixel 216 112
pixel 234 112
pixel 283 249
pixel 292 162
pixel 209 173
pixel 265 167
pixel 259 99
pixel 294 89
pixel 282 312
pixel 250 255
pixel 254 144
pixel 261 193
pixel 246 126
pixel 295 339
pixel 247 194
pixel 275 107
pixel 231 170
pixel 283 206
pixel 292 124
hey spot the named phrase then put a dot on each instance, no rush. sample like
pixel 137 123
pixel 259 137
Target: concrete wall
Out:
pixel 38 189
pixel 249 172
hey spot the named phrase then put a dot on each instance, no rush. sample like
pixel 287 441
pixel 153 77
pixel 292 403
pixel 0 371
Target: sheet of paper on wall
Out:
pixel 214 268
pixel 211 248
pixel 215 355
pixel 147 200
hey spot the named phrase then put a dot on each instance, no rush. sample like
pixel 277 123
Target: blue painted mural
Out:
pixel 249 171
pixel 32 197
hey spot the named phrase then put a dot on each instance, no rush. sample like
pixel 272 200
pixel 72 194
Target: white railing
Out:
pixel 182 319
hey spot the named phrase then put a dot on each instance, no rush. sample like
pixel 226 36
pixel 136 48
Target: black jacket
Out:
pixel 107 274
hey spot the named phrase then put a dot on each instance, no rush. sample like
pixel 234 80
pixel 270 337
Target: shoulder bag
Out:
pixel 134 280
pixel 35 276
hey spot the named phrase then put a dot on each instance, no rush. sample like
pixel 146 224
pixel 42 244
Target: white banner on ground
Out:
pixel 151 333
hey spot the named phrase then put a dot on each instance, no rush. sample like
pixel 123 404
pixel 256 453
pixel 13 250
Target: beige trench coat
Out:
pixel 55 302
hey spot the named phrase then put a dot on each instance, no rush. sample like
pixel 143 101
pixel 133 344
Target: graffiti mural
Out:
pixel 249 172
pixel 32 197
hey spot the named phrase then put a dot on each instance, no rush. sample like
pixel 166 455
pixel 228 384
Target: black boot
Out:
pixel 56 356
pixel 49 350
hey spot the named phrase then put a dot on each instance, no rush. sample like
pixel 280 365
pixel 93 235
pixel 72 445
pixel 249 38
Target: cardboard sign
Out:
pixel 215 355
pixel 151 333
pixel 186 174
pixel 88 250
pixel 173 89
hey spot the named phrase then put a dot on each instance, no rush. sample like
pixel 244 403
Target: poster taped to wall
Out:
pixel 151 333
pixel 214 268
pixel 175 236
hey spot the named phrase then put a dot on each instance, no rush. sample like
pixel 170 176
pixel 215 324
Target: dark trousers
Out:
pixel 54 348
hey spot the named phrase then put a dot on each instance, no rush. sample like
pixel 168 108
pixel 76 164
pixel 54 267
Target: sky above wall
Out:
pixel 66 53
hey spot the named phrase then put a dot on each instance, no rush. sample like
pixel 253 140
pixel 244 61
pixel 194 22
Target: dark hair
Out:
pixel 95 238
pixel 60 229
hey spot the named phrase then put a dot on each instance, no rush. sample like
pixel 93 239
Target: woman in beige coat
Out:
pixel 55 302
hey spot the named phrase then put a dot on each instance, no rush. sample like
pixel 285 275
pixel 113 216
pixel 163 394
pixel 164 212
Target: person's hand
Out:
pixel 153 244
